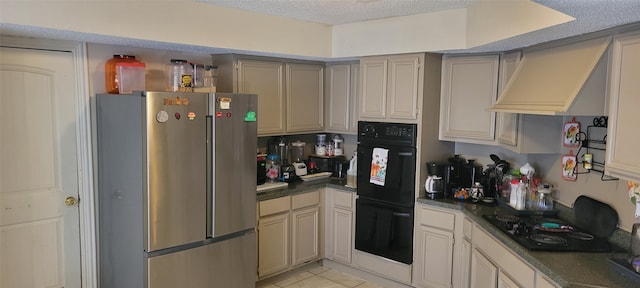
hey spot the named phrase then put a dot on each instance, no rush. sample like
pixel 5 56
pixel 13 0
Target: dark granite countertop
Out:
pixel 299 187
pixel 568 269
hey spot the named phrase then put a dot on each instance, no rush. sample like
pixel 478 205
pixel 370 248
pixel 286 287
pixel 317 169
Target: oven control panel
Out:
pixel 396 133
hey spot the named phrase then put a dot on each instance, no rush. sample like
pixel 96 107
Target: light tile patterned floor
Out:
pixel 320 277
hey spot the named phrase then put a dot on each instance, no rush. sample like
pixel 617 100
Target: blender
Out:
pixel 297 155
pixel 286 169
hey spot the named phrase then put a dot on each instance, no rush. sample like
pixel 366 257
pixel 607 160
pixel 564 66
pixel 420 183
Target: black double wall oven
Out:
pixel 386 189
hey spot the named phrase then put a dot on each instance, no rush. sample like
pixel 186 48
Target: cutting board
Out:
pixel 594 216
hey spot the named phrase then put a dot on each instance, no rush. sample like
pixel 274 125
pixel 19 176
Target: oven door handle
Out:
pixel 398 214
pixel 405 154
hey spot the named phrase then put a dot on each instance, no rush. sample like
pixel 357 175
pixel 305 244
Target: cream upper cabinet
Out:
pixel 507 123
pixel 305 98
pixel 623 159
pixel 469 87
pixel 290 93
pixel 265 79
pixel 391 87
pixel 341 91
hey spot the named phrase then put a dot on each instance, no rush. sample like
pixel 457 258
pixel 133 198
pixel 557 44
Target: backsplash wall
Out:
pixel 548 167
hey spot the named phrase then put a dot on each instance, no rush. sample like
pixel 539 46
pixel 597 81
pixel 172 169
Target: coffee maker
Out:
pixel 438 183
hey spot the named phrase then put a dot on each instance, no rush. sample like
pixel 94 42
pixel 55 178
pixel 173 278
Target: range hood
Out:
pixel 565 80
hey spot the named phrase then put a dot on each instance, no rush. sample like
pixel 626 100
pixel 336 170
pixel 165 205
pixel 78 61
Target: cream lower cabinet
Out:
pixel 273 236
pixel 494 265
pixel 436 254
pixel 623 159
pixel 483 273
pixel 305 235
pixel 339 219
pixel 288 232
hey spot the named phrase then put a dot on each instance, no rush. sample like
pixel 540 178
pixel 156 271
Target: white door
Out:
pixel 39 233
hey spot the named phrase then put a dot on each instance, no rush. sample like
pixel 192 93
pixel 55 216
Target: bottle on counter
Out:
pixel 522 195
pixel 352 172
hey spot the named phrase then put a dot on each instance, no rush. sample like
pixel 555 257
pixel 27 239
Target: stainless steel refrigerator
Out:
pixel 176 189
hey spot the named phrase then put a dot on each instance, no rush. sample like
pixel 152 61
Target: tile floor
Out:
pixel 318 277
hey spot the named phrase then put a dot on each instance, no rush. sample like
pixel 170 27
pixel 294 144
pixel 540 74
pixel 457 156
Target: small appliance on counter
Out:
pixel 297 155
pixel 324 163
pixel 280 146
pixel 261 168
pixel 438 183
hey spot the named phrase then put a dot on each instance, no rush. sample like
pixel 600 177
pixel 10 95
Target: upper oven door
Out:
pixel 397 185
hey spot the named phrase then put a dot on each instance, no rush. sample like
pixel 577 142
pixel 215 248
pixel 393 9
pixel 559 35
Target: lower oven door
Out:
pixel 399 174
pixel 385 230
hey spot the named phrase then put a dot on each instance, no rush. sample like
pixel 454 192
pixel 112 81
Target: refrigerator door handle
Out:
pixel 210 168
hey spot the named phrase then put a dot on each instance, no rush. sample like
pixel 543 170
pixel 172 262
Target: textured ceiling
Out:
pixel 341 11
pixel 591 15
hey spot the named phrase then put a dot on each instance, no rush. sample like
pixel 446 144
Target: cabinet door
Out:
pixel 305 98
pixel 507 123
pixel 373 97
pixel 305 235
pixel 355 95
pixel 504 281
pixel 466 263
pixel 342 234
pixel 338 99
pixel 434 257
pixel 264 78
pixel 404 84
pixel 483 273
pixel 273 244
pixel 623 159
pixel 469 88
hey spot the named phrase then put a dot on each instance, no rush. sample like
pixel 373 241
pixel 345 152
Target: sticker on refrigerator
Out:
pixel 162 116
pixel 225 103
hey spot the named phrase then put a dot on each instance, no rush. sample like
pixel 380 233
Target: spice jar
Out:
pixel 111 73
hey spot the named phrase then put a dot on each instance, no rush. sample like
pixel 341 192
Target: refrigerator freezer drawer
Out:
pixel 229 263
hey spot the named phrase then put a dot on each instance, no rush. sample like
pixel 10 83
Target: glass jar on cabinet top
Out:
pixel 179 76
pixel 112 83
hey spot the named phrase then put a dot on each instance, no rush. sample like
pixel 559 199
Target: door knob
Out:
pixel 70 201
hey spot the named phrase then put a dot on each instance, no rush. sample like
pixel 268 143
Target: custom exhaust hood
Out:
pixel 565 80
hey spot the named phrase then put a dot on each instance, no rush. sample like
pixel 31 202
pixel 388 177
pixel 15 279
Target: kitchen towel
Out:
pixel 378 166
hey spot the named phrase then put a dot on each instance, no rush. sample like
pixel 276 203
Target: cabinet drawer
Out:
pixel 273 206
pixel 306 199
pixel 504 259
pixel 343 199
pixel 439 219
